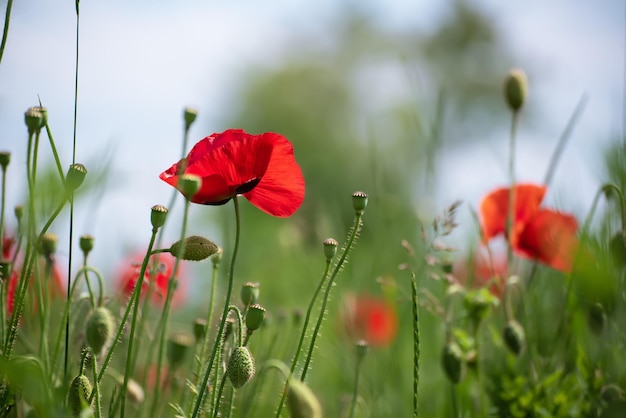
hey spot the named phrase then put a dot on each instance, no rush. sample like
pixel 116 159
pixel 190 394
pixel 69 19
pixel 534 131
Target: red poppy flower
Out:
pixel 7 246
pixel 55 288
pixel 260 167
pixel 542 234
pixel 160 269
pixel 485 271
pixel 370 319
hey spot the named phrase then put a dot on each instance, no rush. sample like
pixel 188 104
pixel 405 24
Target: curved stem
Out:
pixel 5 32
pixel 231 274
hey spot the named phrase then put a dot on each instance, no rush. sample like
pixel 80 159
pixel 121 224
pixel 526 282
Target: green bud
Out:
pixel 19 212
pixel 515 89
pixel 75 177
pixel 362 347
pixel 5 159
pixel 78 395
pixel 452 361
pixel 254 317
pixel 196 248
pixel 359 202
pixel 330 248
pixel 199 328
pixel 617 247
pixel 596 318
pixel 240 367
pixel 514 337
pixel 190 114
pixel 249 293
pixel 86 244
pixel 49 243
pixel 301 401
pixel 189 185
pixel 177 348
pixel 158 215
pixel 100 329
pixel 35 120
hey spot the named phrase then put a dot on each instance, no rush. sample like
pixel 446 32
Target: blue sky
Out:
pixel 142 62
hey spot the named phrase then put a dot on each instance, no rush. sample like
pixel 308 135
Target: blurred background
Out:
pixel 399 99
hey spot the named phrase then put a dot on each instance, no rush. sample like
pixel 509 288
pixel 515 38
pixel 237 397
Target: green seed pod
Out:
pixel 249 293
pixel 19 212
pixel 158 215
pixel 5 159
pixel 515 89
pixel 240 367
pixel 86 244
pixel 189 185
pixel 78 396
pixel 35 119
pixel 49 243
pixel 617 247
pixel 301 401
pixel 178 346
pixel 596 318
pixel 362 347
pixel 196 248
pixel 254 317
pixel 75 177
pixel 452 361
pixel 189 115
pixel 359 202
pixel 330 248
pixel 199 328
pixel 100 329
pixel 514 337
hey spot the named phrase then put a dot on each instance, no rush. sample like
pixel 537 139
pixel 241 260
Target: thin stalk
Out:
pixel 355 391
pixel 416 344
pixel 96 385
pixel 205 344
pixel 231 274
pixel 3 280
pixel 5 32
pixel 219 396
pixel 510 215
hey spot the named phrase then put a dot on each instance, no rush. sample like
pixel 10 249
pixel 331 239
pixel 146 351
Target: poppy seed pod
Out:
pixel 158 215
pixel 35 119
pixel 78 395
pixel 301 401
pixel 514 336
pixel 217 257
pixel 99 329
pixel 249 293
pixel 75 177
pixel 196 248
pixel 86 244
pixel 359 202
pixel 5 159
pixel 330 248
pixel 452 361
pixel 515 89
pixel 189 115
pixel 240 367
pixel 19 212
pixel 189 185
pixel 199 328
pixel 596 318
pixel 49 243
pixel 617 247
pixel 177 348
pixel 254 317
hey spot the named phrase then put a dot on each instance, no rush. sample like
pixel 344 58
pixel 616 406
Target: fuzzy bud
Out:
pixel 78 396
pixel 86 244
pixel 514 337
pixel 189 185
pixel 452 361
pixel 301 401
pixel 359 202
pixel 189 115
pixel 177 348
pixel 196 248
pixel 254 317
pixel 330 248
pixel 5 159
pixel 49 243
pixel 515 89
pixel 100 329
pixel 75 177
pixel 158 215
pixel 249 293
pixel 240 367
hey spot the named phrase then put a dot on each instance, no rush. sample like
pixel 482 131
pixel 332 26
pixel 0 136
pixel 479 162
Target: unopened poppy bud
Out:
pixel 249 293
pixel 196 248
pixel 5 159
pixel 99 329
pixel 75 177
pixel 301 401
pixel 362 347
pixel 189 185
pixel 596 317
pixel 158 215
pixel 515 89
pixel 86 244
pixel 452 361
pixel 134 391
pixel 330 248
pixel 199 328
pixel 359 202
pixel 49 243
pixel 78 396
pixel 240 367
pixel 35 119
pixel 190 114
pixel 514 336
pixel 19 212
pixel 177 348
pixel 254 317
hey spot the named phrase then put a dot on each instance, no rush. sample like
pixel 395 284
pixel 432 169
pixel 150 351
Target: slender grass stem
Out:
pixel 416 344
pixel 355 391
pixel 5 31
pixel 231 273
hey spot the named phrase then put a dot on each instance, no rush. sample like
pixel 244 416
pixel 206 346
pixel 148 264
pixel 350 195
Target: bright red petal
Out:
pixel 550 237
pixel 370 319
pixel 494 209
pixel 281 189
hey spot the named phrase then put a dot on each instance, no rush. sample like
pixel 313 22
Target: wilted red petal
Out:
pixel 494 209
pixel 370 319
pixel 550 237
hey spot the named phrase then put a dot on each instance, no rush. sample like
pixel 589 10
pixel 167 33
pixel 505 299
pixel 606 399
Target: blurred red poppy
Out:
pixel 55 288
pixel 159 271
pixel 370 319
pixel 262 168
pixel 542 234
pixel 483 271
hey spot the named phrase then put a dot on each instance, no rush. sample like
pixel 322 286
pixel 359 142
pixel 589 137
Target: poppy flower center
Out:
pixel 248 185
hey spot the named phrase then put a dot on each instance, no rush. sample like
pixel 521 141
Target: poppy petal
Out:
pixel 550 237
pixel 281 189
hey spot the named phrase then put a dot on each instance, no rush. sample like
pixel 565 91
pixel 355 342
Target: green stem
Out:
pixel 231 274
pixel 55 154
pixel 205 344
pixel 96 385
pixel 416 344
pixel 219 396
pixel 5 32
pixel 510 215
pixel 355 392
